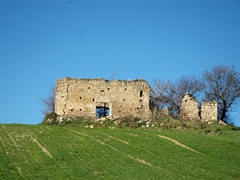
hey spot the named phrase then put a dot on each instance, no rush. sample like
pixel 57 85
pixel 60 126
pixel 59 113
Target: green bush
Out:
pixel 50 119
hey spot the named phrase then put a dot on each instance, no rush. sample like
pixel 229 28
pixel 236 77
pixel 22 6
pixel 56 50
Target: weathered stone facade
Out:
pixel 120 98
pixel 190 109
pixel 82 98
pixel 209 110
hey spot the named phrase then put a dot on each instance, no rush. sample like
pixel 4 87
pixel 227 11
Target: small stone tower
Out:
pixel 189 108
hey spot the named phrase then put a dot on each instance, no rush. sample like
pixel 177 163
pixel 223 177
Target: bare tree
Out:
pixel 167 93
pixel 223 85
pixel 159 93
pixel 191 84
pixel 113 75
pixel 48 102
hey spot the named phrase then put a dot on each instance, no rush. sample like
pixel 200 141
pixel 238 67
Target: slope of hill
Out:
pixel 52 152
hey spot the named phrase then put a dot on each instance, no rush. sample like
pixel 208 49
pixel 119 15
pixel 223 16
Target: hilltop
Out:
pixel 78 150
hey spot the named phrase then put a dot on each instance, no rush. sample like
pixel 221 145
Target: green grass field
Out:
pixel 54 152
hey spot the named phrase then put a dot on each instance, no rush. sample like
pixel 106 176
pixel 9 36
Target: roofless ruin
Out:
pixel 100 98
pixel 96 98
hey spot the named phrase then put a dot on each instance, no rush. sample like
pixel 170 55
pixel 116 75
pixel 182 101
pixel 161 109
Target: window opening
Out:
pixel 80 109
pixel 88 87
pixel 80 97
pixel 141 93
pixel 102 112
pixel 125 89
pixel 93 100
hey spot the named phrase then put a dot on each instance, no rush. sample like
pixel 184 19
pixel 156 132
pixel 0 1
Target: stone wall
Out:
pixel 190 109
pixel 209 110
pixel 82 97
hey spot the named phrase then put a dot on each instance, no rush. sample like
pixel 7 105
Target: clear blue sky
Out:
pixel 43 40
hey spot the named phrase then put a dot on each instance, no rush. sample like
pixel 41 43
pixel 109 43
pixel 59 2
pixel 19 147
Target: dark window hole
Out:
pixel 102 112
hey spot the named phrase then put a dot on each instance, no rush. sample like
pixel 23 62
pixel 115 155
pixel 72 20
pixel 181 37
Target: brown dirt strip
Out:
pixel 115 149
pixel 2 143
pixel 131 134
pixel 10 137
pixel 140 160
pixel 117 139
pixel 179 144
pixel 43 148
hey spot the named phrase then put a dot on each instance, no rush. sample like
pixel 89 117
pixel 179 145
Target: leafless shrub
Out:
pixel 48 102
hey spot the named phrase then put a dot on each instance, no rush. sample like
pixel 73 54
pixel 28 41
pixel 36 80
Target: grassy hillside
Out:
pixel 53 152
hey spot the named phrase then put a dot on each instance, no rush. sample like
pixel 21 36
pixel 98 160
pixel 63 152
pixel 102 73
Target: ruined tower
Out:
pixel 189 108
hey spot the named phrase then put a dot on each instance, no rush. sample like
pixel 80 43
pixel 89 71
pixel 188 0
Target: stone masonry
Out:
pixel 83 97
pixel 209 110
pixel 190 109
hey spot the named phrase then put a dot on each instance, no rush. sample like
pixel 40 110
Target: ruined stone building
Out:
pixel 190 109
pixel 97 98
pixel 115 98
